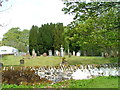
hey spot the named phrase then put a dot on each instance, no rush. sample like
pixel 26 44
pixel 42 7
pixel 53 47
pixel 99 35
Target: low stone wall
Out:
pixel 64 71
pixel 60 72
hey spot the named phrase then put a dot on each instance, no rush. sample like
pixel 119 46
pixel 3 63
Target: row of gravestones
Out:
pixel 56 53
pixel 62 53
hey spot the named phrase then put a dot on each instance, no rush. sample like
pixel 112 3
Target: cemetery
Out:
pixel 49 72
pixel 82 54
pixel 52 68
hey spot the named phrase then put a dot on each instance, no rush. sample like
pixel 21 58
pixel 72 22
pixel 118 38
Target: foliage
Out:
pixel 94 29
pixel 83 10
pixel 22 76
pixel 16 38
pixel 47 37
pixel 33 39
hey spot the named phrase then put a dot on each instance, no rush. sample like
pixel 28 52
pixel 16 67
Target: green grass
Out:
pixel 52 61
pixel 98 82
pixel 37 61
pixel 90 60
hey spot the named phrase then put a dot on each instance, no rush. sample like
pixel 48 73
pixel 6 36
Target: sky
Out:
pixel 25 13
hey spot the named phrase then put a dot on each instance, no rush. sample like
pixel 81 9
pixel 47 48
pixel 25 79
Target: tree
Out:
pixel 82 10
pixel 96 35
pixel 58 36
pixel 33 39
pixel 47 37
pixel 16 38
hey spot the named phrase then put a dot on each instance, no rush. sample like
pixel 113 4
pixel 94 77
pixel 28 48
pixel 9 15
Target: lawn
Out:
pixel 52 61
pixel 90 60
pixel 97 82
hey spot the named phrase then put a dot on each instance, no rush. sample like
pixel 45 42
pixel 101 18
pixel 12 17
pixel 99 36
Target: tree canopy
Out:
pixel 47 37
pixel 95 27
pixel 16 38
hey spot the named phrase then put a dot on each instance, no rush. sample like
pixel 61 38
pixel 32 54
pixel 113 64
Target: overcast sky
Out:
pixel 25 13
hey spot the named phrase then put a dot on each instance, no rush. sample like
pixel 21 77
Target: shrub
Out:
pixel 22 76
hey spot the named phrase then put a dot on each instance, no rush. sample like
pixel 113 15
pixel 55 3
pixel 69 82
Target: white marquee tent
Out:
pixel 7 50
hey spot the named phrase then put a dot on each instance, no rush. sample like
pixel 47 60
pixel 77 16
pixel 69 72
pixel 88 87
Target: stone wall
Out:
pixel 66 72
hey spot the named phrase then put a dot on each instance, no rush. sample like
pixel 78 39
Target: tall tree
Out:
pixel 47 37
pixel 33 39
pixel 58 36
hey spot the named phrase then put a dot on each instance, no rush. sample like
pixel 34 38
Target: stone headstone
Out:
pixel 102 54
pixel 44 54
pixel 22 61
pixel 78 54
pixel 106 55
pixel 73 53
pixel 61 51
pixel 33 53
pixel 56 52
pixel 50 52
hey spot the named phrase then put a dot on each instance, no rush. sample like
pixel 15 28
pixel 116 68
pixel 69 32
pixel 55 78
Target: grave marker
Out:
pixel 50 52
pixel 61 51
pixel 73 53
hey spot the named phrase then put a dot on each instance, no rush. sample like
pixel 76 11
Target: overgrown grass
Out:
pixel 98 82
pixel 52 61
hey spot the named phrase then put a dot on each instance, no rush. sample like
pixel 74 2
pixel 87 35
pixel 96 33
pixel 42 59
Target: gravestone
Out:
pixel 73 53
pixel 50 52
pixel 44 54
pixel 106 55
pixel 61 51
pixel 56 52
pixel 33 53
pixel 22 61
pixel 102 54
pixel 78 54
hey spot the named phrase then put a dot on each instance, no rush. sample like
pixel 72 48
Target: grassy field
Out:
pixel 98 82
pixel 52 61
pixel 90 60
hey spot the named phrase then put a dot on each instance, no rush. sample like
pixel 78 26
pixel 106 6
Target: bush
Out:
pixel 22 76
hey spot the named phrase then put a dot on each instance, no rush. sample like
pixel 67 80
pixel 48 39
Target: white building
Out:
pixel 7 50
